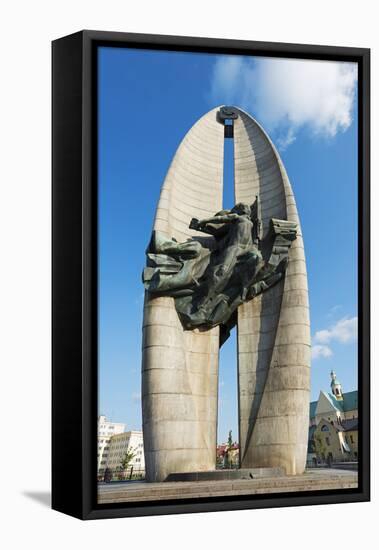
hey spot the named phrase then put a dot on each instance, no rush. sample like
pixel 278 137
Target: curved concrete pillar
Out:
pixel 180 368
pixel 273 329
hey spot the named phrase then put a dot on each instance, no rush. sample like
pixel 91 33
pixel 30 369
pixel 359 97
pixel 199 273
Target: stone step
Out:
pixel 216 475
pixel 310 481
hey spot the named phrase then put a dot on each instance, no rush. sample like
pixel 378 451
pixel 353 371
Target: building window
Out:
pixel 327 441
pixel 351 439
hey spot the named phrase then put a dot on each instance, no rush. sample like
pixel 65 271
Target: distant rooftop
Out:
pixel 350 425
pixel 348 403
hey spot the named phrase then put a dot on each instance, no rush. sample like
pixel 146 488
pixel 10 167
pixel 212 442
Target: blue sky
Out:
pixel 147 102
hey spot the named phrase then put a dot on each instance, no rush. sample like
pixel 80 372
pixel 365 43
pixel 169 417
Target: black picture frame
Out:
pixel 74 272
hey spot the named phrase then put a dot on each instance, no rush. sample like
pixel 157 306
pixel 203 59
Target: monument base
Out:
pixel 221 475
pixel 312 480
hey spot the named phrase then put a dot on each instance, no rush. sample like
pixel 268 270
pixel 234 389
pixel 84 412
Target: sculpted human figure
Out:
pixel 235 240
pixel 210 282
pixel 235 260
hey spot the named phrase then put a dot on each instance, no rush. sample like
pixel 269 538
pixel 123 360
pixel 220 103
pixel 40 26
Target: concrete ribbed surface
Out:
pixel 180 368
pixel 273 329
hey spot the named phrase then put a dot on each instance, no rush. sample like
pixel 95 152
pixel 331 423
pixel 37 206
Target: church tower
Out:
pixel 336 386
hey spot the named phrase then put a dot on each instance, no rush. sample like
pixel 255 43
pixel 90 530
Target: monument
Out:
pixel 208 270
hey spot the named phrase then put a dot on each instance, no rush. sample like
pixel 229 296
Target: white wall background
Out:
pixel 27 29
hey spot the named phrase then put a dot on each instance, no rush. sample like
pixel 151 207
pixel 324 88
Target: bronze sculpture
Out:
pixel 210 278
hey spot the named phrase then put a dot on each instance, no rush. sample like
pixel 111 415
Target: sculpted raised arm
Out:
pixel 226 218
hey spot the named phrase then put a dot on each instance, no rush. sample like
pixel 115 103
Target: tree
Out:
pixel 229 447
pixel 320 447
pixel 128 457
pixel 230 440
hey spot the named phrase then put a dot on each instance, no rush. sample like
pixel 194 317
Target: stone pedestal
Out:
pixel 311 480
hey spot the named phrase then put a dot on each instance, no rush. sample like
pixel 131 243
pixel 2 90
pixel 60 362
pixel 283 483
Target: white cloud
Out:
pixel 344 331
pixel 288 94
pixel 321 351
pixel 283 141
pixel 228 71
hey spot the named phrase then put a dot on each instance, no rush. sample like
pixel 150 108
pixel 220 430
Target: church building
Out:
pixel 333 425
